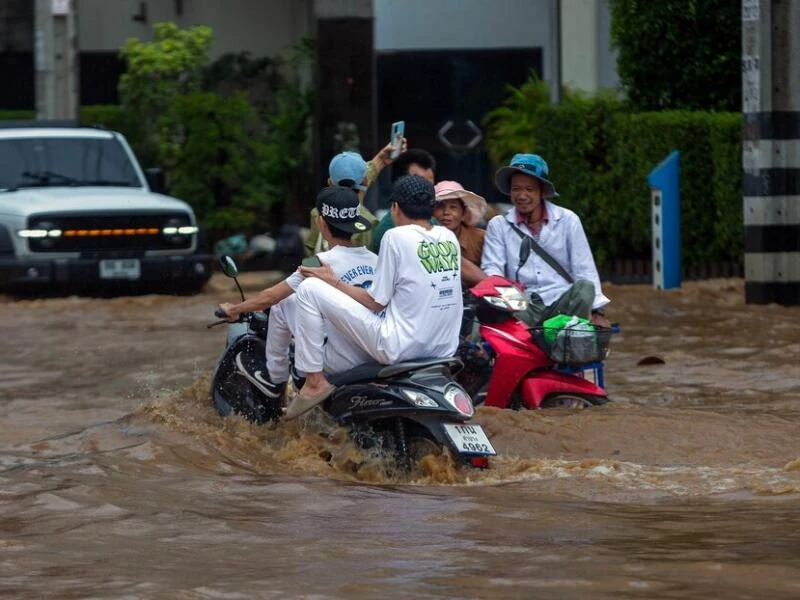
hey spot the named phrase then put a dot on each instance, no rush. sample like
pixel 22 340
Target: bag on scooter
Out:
pixel 569 340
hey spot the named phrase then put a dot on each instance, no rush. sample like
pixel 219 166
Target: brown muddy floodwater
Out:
pixel 118 480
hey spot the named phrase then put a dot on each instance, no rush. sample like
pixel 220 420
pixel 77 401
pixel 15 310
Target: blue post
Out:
pixel 664 183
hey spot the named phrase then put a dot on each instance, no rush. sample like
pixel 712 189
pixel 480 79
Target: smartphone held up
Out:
pixel 396 138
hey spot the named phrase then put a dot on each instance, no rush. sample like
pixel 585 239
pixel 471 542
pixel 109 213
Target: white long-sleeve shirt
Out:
pixel 562 236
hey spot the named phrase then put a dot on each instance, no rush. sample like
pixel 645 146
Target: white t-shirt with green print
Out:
pixel 418 279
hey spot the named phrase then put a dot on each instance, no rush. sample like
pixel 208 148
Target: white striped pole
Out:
pixel 771 150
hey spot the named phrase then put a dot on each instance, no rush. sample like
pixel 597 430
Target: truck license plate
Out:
pixel 127 268
pixel 469 439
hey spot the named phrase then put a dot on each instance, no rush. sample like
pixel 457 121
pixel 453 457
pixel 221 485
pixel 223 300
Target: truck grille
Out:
pixel 93 234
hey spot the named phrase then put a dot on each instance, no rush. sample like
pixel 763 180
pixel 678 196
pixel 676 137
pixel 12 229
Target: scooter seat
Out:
pixel 378 371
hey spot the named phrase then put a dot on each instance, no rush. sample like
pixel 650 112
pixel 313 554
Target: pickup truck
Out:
pixel 77 210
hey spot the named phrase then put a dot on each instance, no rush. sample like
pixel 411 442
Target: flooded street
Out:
pixel 119 480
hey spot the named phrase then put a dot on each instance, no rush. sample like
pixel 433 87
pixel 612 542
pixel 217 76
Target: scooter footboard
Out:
pixel 535 388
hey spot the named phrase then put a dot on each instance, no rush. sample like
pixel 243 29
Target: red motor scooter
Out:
pixel 511 365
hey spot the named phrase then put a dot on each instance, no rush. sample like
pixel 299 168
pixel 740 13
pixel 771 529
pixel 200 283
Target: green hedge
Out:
pixel 710 171
pixel 600 157
pixel 574 139
pixel 725 138
pixel 16 115
pixel 221 162
pixel 107 115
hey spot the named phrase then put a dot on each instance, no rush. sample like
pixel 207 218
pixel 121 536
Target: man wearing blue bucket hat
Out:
pixel 559 274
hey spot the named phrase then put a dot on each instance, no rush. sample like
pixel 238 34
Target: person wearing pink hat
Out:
pixel 461 211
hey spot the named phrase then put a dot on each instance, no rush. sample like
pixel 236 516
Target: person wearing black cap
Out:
pixel 559 274
pixel 339 219
pixel 412 310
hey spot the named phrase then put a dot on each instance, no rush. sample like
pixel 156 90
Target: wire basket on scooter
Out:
pixel 573 347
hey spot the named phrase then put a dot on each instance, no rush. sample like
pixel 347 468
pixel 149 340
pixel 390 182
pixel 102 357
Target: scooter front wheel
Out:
pixel 236 395
pixel 571 401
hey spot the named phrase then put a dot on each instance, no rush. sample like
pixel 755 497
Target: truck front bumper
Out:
pixel 191 271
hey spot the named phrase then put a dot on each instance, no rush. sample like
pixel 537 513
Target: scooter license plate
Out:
pixel 469 438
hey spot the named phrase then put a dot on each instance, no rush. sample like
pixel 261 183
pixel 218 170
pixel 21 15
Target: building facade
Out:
pixel 438 65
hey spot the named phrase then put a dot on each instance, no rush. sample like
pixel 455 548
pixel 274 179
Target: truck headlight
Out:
pixel 44 233
pixel 177 229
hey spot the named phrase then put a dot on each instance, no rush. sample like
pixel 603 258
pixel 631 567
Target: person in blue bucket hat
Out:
pixel 559 274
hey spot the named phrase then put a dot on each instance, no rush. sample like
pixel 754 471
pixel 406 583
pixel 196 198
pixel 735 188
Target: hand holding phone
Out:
pixel 396 138
pixel 311 261
pixel 313 267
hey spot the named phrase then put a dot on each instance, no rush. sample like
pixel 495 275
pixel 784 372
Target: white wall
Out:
pixel 465 24
pixel 588 62
pixel 579 44
pixel 262 27
pixel 607 67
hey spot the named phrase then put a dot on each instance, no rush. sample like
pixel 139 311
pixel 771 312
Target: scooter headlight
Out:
pixel 459 399
pixel 509 299
pixel 420 399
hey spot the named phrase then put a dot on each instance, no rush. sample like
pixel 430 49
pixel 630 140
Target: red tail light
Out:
pixel 459 399
pixel 463 404
pixel 479 462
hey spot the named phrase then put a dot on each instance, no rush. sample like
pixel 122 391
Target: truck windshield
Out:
pixel 64 161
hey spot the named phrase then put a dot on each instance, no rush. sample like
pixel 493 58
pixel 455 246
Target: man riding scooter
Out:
pixel 540 248
pixel 560 275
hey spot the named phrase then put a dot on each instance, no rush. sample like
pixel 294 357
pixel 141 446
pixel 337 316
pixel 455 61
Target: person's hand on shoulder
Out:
pixel 324 272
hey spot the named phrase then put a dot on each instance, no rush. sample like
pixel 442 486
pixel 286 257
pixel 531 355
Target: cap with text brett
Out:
pixel 339 206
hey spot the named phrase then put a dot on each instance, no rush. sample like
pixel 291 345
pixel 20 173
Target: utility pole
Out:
pixel 56 58
pixel 771 150
pixel 556 62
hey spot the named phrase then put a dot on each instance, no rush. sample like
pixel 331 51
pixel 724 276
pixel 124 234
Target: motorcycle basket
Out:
pixel 573 347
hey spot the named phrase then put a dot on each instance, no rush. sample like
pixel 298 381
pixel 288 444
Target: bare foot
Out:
pixel 309 390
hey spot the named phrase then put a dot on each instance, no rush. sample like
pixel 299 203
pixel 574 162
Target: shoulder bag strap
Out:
pixel 544 254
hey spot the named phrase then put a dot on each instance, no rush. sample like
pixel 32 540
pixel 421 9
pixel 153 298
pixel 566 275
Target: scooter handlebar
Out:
pixel 223 318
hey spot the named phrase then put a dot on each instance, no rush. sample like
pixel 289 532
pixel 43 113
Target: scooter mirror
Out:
pixel 228 266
